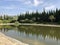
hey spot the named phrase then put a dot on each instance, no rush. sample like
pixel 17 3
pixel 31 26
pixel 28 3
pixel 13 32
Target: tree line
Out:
pixel 52 16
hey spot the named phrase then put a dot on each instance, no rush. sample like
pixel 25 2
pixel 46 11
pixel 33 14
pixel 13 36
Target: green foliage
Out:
pixel 43 17
pixel 1 21
pixel 6 21
pixel 34 17
pixel 51 17
pixel 17 23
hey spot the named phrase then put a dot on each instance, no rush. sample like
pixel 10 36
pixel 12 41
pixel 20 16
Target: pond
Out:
pixel 33 35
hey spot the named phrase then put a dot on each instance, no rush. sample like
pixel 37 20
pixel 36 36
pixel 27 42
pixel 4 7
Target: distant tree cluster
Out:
pixel 6 19
pixel 52 16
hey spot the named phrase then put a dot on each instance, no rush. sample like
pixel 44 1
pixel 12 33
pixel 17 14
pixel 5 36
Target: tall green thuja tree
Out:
pixel 0 17
pixel 57 15
pixel 37 15
pixel 27 15
pixel 43 16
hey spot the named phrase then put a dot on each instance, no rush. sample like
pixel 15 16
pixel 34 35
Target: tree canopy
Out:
pixel 43 17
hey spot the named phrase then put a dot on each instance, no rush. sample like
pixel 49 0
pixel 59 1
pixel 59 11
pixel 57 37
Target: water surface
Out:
pixel 33 35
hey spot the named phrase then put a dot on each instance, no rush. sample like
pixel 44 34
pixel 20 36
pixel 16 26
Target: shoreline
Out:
pixel 5 40
pixel 49 25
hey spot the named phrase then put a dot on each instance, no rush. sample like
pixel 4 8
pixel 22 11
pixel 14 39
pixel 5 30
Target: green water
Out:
pixel 33 35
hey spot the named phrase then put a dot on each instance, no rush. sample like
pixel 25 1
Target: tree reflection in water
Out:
pixel 45 32
pixel 50 32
